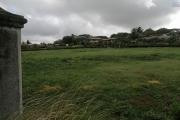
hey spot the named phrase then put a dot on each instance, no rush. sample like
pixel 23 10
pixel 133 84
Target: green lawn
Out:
pixel 102 84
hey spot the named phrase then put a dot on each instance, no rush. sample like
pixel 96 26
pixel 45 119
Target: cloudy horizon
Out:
pixel 49 20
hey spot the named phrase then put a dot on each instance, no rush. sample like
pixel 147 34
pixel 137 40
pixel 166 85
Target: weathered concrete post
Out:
pixel 10 63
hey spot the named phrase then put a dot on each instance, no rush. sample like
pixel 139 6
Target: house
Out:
pixel 164 36
pixel 102 41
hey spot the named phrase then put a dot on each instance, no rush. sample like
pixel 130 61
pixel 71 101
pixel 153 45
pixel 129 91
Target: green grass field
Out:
pixel 102 84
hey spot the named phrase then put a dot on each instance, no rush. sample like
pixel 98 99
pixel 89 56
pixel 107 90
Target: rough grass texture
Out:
pixel 102 84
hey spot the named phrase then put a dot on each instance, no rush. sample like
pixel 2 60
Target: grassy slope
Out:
pixel 107 84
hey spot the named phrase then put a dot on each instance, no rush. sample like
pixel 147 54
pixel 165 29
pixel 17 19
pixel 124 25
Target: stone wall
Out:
pixel 10 64
pixel 10 78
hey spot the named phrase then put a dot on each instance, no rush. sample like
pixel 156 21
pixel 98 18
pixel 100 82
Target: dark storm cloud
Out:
pixel 55 18
pixel 127 13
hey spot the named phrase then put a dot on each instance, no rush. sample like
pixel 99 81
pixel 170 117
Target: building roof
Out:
pixel 8 19
pixel 163 36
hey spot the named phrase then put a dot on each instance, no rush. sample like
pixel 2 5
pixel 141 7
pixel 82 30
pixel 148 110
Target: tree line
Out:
pixel 138 37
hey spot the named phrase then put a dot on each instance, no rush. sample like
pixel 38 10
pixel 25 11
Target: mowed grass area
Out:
pixel 102 84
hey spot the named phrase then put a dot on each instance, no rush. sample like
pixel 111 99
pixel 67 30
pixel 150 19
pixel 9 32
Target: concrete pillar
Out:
pixel 10 63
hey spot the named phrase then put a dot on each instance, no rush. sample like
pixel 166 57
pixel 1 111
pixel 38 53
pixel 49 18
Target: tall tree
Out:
pixel 28 42
pixel 136 33
pixel 149 32
pixel 67 40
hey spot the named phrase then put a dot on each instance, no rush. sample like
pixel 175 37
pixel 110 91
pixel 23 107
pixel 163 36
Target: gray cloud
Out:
pixel 51 19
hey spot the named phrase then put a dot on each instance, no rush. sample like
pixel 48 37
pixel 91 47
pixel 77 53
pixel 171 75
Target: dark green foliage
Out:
pixel 149 32
pixel 120 35
pixel 163 31
pixel 137 38
pixel 28 42
pixel 60 42
pixel 136 33
pixel 68 40
pixel 173 39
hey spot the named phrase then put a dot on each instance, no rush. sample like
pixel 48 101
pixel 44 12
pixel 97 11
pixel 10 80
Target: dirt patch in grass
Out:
pixel 49 89
pixel 157 82
pixel 88 87
pixel 143 101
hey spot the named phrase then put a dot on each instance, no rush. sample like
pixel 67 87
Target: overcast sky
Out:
pixel 51 19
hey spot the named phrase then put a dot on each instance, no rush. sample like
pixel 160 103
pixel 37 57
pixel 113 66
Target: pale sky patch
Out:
pixel 175 20
pixel 149 4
